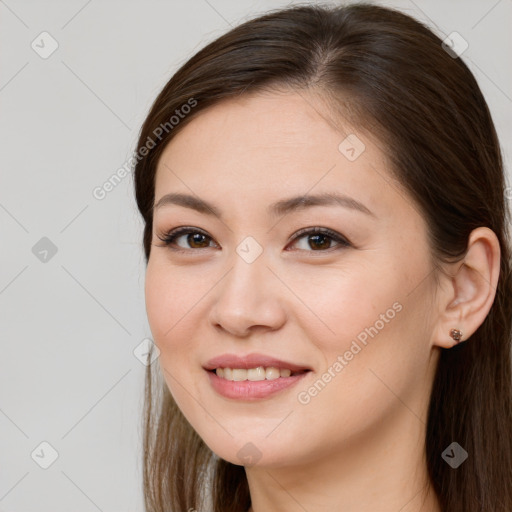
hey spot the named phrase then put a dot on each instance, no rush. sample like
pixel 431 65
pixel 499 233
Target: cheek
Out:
pixel 172 301
pixel 160 306
pixel 338 304
pixel 170 291
pixel 364 320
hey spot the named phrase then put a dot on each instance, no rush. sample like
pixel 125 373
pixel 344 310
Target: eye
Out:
pixel 194 237
pixel 320 239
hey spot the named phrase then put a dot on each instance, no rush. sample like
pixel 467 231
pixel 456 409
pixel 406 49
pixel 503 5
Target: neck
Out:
pixel 384 469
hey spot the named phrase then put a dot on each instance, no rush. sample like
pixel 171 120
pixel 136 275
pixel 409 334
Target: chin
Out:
pixel 258 452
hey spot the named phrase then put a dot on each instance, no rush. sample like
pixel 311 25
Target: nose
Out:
pixel 248 299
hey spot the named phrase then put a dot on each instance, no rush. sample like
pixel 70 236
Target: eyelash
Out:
pixel 170 237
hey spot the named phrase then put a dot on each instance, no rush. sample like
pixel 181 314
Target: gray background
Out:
pixel 70 322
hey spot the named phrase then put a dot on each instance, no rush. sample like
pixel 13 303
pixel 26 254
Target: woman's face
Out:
pixel 354 307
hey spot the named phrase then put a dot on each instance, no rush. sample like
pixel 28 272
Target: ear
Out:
pixel 469 288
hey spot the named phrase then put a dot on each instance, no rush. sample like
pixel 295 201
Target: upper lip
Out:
pixel 251 361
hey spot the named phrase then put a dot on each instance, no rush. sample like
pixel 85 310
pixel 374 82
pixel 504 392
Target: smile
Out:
pixel 253 383
pixel 254 374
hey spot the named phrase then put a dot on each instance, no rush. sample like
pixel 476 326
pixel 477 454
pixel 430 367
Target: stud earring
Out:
pixel 456 335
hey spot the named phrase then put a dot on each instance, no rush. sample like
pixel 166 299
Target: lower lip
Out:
pixel 252 390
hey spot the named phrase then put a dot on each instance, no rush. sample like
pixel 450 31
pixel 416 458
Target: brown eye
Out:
pixel 308 239
pixel 190 239
pixel 197 240
pixel 319 240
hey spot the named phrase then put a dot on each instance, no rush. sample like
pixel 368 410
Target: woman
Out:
pixel 328 273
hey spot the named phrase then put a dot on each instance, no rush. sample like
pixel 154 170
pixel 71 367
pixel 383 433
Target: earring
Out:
pixel 456 335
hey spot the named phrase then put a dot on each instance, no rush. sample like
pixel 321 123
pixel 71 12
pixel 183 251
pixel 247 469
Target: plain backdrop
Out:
pixel 77 78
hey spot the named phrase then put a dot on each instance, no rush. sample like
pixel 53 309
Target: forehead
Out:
pixel 269 146
pixel 273 121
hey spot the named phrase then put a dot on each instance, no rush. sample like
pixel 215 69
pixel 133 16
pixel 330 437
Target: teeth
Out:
pixel 252 374
pixel 272 373
pixel 256 373
pixel 239 374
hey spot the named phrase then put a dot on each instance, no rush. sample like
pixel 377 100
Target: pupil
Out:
pixel 325 238
pixel 194 238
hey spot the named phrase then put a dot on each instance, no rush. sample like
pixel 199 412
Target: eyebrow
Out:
pixel 279 208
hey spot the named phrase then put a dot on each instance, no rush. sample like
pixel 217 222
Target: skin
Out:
pixel 358 445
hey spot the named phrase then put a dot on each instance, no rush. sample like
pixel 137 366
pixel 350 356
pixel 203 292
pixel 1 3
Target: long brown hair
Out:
pixel 393 74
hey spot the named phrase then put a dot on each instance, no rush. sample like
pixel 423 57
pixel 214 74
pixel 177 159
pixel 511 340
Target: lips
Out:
pixel 252 361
